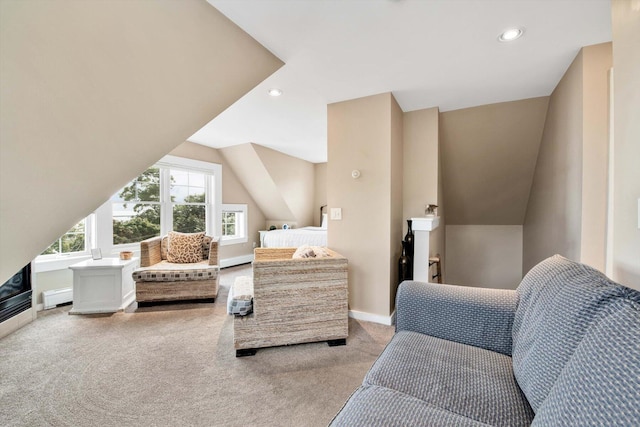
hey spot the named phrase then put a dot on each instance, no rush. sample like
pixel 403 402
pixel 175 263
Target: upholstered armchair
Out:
pixel 186 270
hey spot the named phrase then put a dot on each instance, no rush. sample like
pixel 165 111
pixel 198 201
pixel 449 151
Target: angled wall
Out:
pixel 282 185
pixel 488 160
pixel 92 93
pixel 295 180
pixel 566 213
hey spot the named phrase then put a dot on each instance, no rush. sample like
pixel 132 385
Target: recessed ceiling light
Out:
pixel 275 92
pixel 511 34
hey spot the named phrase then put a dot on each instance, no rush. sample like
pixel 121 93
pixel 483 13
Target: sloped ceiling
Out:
pixel 489 155
pixel 280 184
pixel 92 93
pixel 428 53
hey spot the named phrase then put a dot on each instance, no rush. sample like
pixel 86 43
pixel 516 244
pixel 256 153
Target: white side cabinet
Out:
pixel 103 286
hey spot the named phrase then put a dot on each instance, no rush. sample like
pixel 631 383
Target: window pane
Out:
pixel 53 249
pixel 134 223
pixel 145 188
pixel 72 241
pixel 189 218
pixel 229 221
pixel 187 187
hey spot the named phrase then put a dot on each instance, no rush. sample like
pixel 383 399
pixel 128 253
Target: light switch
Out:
pixel 336 213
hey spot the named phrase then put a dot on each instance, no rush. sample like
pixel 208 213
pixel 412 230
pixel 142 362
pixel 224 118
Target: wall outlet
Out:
pixel 254 245
pixel 336 214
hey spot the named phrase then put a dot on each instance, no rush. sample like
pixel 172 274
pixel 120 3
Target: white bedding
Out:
pixel 293 238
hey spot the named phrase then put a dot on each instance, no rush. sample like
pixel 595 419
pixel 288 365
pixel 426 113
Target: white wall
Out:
pixel 485 256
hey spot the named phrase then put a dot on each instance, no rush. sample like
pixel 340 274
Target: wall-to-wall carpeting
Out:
pixel 173 365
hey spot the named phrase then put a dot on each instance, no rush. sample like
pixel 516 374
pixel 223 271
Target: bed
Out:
pixel 293 238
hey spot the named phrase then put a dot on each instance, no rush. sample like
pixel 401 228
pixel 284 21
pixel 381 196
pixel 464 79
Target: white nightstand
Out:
pixel 103 286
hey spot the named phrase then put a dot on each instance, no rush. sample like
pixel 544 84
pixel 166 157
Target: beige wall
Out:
pixel 597 61
pixel 92 93
pixel 363 134
pixel 421 153
pixel 232 192
pixel 626 176
pixel 282 185
pixel 566 213
pixel 320 192
pixel 50 280
pixel 295 181
pixel 422 175
pixel 488 159
pixel 486 256
pixel 396 209
pixel 552 223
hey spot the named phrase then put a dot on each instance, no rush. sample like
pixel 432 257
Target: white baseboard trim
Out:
pixel 230 262
pixel 376 318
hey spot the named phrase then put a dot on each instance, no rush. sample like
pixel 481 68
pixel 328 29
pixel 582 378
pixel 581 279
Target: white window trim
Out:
pixel 51 262
pixel 244 238
pixel 99 227
pixel 214 194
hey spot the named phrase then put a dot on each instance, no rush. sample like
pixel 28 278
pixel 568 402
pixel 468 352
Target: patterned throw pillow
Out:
pixel 185 247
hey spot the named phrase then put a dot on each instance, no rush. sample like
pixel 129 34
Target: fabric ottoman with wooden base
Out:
pixel 294 301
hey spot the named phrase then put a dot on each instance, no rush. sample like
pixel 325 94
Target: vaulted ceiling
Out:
pixel 435 53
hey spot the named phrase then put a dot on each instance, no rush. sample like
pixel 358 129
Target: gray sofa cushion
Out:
pixel 559 299
pixel 372 406
pixel 475 316
pixel 469 381
pixel 600 385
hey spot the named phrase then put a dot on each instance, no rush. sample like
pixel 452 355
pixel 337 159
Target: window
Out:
pixel 136 209
pixel 73 241
pixel 175 194
pixel 188 195
pixel 234 224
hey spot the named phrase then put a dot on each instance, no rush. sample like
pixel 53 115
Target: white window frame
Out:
pixel 214 198
pixel 99 225
pixel 51 262
pixel 242 225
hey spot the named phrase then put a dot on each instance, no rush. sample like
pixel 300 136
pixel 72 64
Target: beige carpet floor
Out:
pixel 173 366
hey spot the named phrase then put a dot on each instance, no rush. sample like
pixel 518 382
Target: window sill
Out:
pixel 233 241
pixel 59 263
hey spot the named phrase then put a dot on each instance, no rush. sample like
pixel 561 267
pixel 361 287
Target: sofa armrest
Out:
pixel 150 252
pixel 475 316
pixel 214 254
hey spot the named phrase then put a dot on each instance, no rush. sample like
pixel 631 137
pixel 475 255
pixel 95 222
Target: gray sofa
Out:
pixel 561 350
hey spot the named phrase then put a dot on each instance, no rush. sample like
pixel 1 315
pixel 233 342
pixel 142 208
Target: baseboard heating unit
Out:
pixel 50 299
